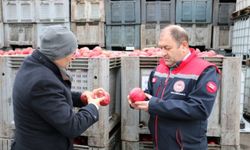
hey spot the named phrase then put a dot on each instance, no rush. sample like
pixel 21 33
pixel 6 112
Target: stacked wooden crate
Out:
pixel 155 16
pixel 87 21
pixel 49 13
pixel 24 21
pixel 222 24
pixel 122 24
pixel 223 124
pixel 196 16
pixel 19 19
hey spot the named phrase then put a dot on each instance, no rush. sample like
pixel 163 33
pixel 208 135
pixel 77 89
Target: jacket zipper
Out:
pixel 156 118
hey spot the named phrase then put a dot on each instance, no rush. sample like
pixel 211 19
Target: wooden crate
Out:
pixel 88 33
pixel 199 34
pixel 19 34
pixel 87 74
pixel 193 11
pixel 158 11
pixel 87 11
pixel 52 11
pixel 123 12
pixel 39 30
pixel 222 37
pixel 222 13
pixel 150 34
pixel 18 11
pixel 122 36
pixel 224 119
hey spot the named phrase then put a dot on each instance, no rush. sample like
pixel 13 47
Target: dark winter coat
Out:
pixel 43 104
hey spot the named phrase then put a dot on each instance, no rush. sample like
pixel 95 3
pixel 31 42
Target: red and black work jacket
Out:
pixel 182 100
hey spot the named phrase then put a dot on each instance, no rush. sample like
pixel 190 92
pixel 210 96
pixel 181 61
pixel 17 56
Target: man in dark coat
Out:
pixel 181 92
pixel 43 100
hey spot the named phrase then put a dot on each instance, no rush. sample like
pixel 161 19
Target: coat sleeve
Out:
pixel 51 104
pixel 76 98
pixel 199 103
pixel 150 86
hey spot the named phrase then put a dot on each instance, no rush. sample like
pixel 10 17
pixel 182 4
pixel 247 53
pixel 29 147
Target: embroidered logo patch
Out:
pixel 211 87
pixel 179 86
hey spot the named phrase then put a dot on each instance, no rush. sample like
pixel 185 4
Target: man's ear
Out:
pixel 185 44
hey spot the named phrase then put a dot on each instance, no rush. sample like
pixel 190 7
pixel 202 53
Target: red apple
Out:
pixel 100 94
pixel 137 94
pixel 84 99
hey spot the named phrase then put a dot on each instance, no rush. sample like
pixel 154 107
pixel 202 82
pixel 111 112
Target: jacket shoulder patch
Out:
pixel 211 87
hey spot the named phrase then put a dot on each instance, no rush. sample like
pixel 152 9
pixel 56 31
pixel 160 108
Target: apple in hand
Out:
pixel 137 94
pixel 100 94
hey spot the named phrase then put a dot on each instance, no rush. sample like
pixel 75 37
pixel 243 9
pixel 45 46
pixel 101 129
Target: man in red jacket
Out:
pixel 181 92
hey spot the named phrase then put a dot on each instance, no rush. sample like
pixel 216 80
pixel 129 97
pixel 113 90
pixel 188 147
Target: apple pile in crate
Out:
pixel 209 53
pixel 25 51
pixel 98 52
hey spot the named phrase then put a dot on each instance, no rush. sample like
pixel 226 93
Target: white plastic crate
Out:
pixel 222 37
pixel 199 35
pixel 224 119
pixel 240 4
pixel 52 11
pixel 18 11
pixel 19 34
pixel 87 11
pixel 1 35
pixel 241 37
pixel 88 33
pixel 40 29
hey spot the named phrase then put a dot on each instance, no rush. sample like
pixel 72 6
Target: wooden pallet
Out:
pixel 241 13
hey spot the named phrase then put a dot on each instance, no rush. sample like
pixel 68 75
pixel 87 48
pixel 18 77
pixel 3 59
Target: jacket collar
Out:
pixel 162 67
pixel 47 62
